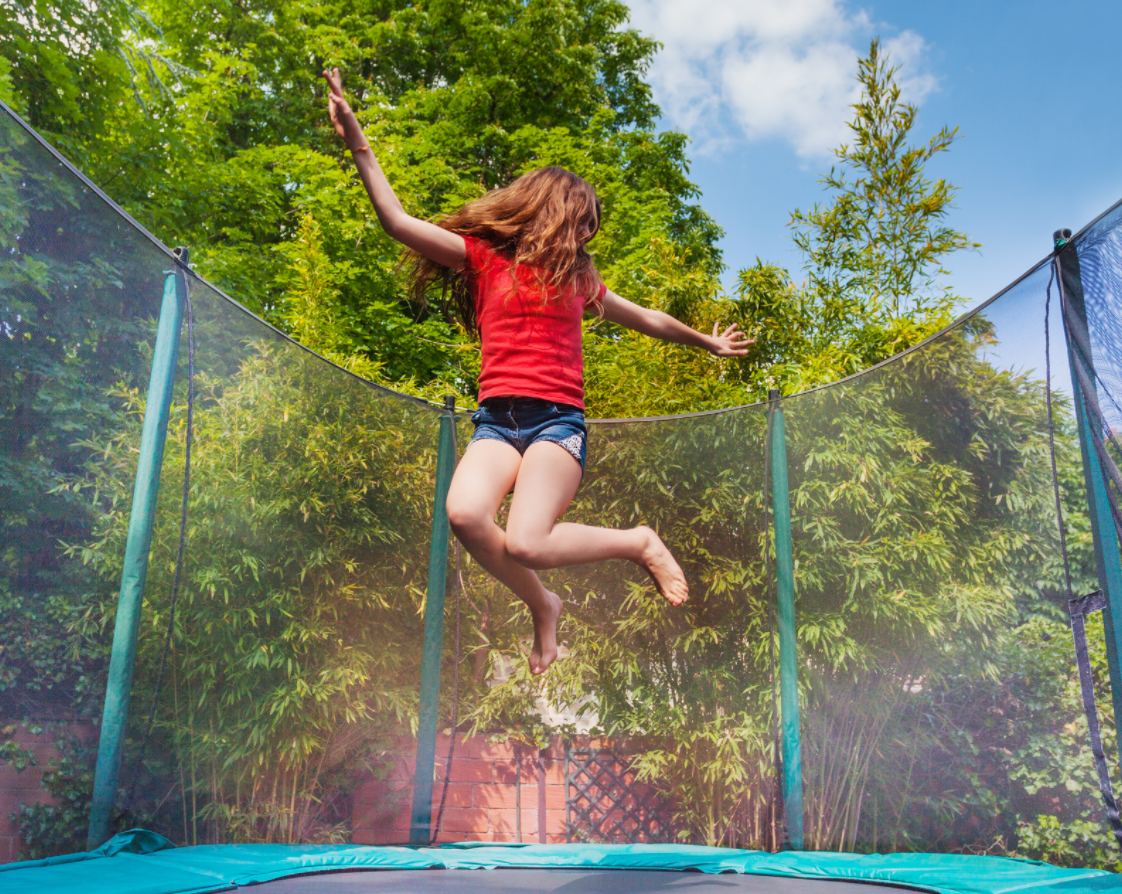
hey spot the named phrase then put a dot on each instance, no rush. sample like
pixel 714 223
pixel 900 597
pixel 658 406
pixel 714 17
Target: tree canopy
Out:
pixel 226 147
pixel 208 124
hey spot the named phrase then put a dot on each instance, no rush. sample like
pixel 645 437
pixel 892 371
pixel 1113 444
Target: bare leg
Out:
pixel 547 481
pixel 483 477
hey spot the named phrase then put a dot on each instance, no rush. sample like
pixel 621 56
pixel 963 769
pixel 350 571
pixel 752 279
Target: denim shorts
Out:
pixel 522 421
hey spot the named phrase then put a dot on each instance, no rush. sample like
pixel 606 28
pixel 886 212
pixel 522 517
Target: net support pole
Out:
pixel 118 688
pixel 1108 563
pixel 432 651
pixel 541 797
pixel 788 644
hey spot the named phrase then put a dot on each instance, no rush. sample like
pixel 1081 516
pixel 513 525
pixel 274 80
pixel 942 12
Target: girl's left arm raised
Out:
pixel 729 343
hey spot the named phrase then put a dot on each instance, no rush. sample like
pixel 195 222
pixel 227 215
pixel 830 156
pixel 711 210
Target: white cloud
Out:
pixel 767 68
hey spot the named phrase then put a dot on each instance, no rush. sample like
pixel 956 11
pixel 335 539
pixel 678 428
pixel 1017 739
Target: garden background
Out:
pixel 925 551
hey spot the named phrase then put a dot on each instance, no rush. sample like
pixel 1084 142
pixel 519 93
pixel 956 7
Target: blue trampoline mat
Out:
pixel 140 862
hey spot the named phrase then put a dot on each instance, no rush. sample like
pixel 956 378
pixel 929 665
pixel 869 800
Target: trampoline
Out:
pixel 147 863
pixel 239 649
pixel 517 881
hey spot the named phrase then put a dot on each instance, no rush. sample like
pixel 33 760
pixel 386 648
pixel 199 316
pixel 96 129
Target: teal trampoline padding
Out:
pixel 137 866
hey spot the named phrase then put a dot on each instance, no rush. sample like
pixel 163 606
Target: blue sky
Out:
pixel 761 87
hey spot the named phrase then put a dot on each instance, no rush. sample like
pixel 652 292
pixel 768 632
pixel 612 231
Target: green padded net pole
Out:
pixel 421 819
pixel 118 689
pixel 788 644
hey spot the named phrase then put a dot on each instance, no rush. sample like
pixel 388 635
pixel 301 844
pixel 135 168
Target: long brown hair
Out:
pixel 535 222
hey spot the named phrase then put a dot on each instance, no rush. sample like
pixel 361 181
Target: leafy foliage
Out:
pixel 237 158
pixel 297 639
pixel 925 553
pixel 60 825
pixel 14 755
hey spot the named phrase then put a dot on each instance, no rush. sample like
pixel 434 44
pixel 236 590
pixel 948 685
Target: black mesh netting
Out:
pixel 1095 331
pixel 939 702
pixel 297 637
pixel 1100 258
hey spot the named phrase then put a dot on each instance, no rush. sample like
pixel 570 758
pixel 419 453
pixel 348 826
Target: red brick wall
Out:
pixel 480 804
pixel 23 786
pixel 482 794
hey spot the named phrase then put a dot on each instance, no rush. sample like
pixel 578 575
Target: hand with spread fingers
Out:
pixel 730 343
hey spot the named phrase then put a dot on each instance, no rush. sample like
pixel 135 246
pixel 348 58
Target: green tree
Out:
pixel 882 241
pixel 457 99
pixel 924 531
pixel 873 255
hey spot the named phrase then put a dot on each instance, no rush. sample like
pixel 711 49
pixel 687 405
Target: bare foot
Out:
pixel 663 569
pixel 545 634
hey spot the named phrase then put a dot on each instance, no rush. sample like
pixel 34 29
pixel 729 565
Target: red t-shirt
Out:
pixel 531 347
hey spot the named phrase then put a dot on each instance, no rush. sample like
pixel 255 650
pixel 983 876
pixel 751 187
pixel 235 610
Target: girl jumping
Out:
pixel 517 269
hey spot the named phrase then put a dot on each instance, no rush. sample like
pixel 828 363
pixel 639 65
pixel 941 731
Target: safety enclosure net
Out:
pixel 939 707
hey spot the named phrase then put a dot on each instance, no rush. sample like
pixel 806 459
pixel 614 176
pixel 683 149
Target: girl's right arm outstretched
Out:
pixel 425 238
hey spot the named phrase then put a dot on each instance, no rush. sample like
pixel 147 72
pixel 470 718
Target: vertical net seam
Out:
pixel 1051 427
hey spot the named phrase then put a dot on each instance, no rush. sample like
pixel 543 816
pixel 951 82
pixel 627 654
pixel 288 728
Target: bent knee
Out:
pixel 525 549
pixel 464 517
